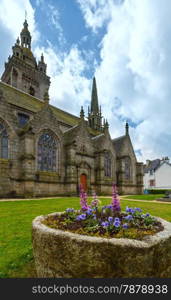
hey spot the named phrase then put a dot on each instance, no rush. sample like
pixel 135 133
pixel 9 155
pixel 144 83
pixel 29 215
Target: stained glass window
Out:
pixel 3 142
pixel 107 164
pixel 47 152
pixel 127 168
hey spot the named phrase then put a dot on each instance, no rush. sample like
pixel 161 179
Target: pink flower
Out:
pixel 115 199
pixel 83 199
pixel 95 200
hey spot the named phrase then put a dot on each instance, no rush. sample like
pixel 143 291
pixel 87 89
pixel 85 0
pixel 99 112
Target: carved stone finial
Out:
pixel 127 128
pixel 82 113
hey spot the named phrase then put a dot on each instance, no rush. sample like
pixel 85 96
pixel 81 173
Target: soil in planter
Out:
pixel 80 227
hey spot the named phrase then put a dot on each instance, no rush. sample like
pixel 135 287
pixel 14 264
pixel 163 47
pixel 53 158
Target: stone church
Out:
pixel 45 151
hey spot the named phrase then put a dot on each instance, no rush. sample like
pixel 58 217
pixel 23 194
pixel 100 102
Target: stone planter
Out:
pixel 64 254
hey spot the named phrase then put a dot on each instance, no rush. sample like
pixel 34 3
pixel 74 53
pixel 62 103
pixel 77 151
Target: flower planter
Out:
pixel 59 253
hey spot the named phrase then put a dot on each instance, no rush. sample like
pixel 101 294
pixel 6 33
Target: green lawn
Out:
pixel 145 197
pixel 16 258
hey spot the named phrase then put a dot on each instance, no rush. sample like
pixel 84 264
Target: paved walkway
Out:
pixel 121 197
pixel 139 200
pixel 29 199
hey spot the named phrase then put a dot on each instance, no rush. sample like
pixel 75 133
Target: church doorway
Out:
pixel 83 181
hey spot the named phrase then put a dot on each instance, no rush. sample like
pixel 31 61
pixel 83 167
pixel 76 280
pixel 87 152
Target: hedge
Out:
pixel 158 191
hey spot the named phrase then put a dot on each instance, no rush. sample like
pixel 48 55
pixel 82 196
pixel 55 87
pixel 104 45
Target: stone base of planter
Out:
pixel 59 253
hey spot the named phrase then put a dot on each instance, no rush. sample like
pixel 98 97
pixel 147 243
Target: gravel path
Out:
pixel 46 198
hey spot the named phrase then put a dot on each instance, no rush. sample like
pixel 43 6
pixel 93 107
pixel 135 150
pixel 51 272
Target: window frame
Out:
pixel 4 142
pixel 107 164
pixel 127 175
pixel 54 153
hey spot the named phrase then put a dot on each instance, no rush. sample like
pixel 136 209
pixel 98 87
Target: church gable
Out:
pixel 80 136
pixel 103 143
pixel 123 146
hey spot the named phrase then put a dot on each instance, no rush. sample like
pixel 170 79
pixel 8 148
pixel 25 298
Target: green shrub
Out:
pixel 158 191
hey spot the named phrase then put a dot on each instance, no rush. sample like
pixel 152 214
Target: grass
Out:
pixel 16 259
pixel 145 197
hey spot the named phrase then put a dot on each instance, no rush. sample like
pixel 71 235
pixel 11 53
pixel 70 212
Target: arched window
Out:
pixel 107 164
pixel 3 142
pixel 127 168
pixel 47 152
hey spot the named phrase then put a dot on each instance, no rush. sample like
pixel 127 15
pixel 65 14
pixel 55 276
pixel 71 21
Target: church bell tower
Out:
pixel 22 70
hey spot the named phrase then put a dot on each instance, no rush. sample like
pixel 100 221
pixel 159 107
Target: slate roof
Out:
pixel 153 165
pixel 118 143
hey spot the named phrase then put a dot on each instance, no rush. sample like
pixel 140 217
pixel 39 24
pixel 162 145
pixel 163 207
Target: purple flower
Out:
pixel 108 206
pixel 125 226
pixel 105 224
pixel 115 199
pixel 95 201
pixel 130 210
pixel 128 218
pixel 117 220
pixel 147 215
pixel 116 224
pixel 110 219
pixel 81 217
pixel 138 209
pixel 89 211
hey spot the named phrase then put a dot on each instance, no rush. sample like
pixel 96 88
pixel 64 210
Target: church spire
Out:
pixel 94 98
pixel 94 113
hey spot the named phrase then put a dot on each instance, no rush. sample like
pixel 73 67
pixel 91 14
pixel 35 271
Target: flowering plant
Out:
pixel 107 220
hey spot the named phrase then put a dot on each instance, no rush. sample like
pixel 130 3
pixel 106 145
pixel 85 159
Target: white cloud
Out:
pixel 12 15
pixel 95 12
pixel 69 87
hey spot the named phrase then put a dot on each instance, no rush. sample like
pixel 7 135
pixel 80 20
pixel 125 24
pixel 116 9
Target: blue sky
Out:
pixel 125 44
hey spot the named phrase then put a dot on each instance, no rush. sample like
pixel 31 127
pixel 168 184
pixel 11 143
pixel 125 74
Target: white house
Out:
pixel 157 174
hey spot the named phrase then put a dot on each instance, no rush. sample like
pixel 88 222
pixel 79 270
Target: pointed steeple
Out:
pixel 94 113
pixel 127 128
pixel 94 98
